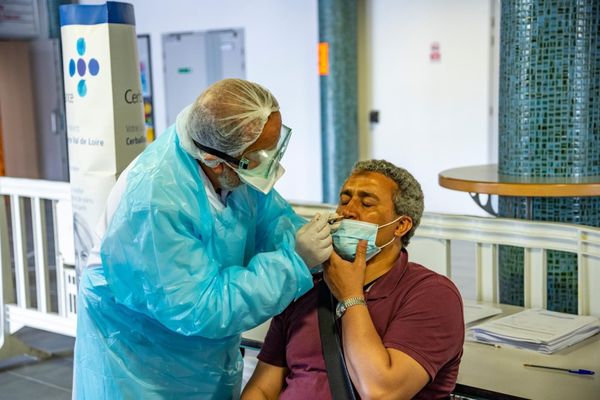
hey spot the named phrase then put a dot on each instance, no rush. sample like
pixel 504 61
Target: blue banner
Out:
pixel 111 12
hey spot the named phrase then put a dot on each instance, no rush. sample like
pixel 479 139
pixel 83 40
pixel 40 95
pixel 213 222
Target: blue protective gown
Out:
pixel 161 318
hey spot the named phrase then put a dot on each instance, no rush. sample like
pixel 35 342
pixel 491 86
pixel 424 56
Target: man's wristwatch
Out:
pixel 342 306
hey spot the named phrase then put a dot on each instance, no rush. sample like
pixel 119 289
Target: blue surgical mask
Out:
pixel 350 232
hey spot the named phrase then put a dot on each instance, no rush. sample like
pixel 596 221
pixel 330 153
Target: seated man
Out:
pixel 402 329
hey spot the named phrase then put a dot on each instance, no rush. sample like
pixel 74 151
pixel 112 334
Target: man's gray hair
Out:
pixel 408 199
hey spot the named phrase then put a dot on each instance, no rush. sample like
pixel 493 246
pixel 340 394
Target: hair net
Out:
pixel 230 115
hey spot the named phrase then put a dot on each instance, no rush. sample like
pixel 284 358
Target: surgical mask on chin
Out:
pixel 350 232
pixel 254 177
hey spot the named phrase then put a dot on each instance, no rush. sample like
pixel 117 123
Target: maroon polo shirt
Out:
pixel 414 310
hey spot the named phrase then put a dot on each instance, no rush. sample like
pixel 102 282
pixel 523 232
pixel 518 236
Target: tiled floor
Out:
pixel 51 379
pixel 48 379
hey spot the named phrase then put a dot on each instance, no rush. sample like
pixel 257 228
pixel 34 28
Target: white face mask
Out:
pixel 254 178
pixel 259 169
pixel 350 232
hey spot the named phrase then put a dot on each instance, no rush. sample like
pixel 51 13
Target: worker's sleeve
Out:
pixel 277 222
pixel 156 262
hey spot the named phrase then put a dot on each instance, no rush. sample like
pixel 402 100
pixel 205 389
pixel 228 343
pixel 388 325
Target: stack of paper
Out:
pixel 474 312
pixel 536 329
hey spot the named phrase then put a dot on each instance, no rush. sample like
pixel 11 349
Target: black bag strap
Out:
pixel 339 380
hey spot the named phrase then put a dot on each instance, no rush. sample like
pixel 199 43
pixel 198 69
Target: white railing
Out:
pixel 431 247
pixel 17 309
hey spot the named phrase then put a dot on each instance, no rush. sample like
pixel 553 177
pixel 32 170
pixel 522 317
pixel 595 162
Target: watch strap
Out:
pixel 345 304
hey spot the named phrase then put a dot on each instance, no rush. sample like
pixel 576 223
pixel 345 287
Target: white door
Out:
pixel 195 60
pixel 432 78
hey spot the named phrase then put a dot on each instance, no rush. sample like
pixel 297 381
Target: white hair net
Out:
pixel 228 116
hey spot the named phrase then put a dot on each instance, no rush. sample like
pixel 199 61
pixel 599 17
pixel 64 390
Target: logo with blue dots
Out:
pixel 80 67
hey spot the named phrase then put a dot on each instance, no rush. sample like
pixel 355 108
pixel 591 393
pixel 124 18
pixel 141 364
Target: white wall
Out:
pixel 281 39
pixel 434 115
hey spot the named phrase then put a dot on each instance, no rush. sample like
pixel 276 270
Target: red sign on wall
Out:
pixel 435 55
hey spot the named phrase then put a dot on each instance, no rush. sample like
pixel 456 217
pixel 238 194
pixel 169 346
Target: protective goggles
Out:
pixel 267 159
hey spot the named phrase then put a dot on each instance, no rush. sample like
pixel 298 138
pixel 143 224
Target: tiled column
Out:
pixel 549 125
pixel 339 119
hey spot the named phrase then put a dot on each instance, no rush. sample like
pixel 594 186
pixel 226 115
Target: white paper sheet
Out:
pixel 537 329
pixel 475 312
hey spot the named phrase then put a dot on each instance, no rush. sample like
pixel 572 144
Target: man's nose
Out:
pixel 349 212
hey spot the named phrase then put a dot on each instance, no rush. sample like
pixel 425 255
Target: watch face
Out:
pixel 342 306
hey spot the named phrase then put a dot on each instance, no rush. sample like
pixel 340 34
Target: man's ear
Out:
pixel 404 226
pixel 218 169
pixel 213 163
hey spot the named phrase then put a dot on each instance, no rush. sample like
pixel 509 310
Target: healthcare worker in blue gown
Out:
pixel 196 249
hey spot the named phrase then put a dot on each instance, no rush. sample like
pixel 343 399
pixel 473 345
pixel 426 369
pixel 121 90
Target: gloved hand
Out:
pixel 335 220
pixel 313 241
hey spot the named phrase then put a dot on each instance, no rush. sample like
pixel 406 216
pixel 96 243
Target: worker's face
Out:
pixel 267 140
pixel 368 197
pixel 229 180
pixel 270 135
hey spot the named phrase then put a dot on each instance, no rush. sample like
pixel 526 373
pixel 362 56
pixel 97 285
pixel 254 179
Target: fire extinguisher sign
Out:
pixel 435 55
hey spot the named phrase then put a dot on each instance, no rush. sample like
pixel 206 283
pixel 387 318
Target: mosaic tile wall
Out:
pixel 562 266
pixel 338 20
pixel 550 88
pixel 549 124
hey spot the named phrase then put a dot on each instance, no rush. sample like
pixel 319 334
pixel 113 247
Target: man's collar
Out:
pixel 386 283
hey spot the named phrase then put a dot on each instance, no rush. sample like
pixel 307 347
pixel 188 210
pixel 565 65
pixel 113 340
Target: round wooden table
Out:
pixel 485 179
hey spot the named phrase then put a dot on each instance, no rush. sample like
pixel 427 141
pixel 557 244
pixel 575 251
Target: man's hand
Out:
pixel 266 382
pixel 346 279
pixel 313 241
